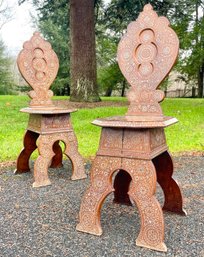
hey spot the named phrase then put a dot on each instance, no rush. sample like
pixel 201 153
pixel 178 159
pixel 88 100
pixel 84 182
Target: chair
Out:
pixel 134 146
pixel 48 124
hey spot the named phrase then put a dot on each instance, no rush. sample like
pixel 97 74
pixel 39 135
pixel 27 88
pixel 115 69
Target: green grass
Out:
pixel 187 135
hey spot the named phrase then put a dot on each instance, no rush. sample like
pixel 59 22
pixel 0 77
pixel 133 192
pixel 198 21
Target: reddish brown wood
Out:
pixel 121 185
pixel 29 143
pixel 164 168
pixel 57 159
pixel 146 54
pixel 141 191
pixel 172 193
pixel 39 64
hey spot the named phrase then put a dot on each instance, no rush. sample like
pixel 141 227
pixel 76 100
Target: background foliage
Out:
pixel 111 20
pixel 6 76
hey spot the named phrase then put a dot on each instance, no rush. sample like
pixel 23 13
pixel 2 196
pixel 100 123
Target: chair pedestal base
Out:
pixel 140 158
pixel 44 133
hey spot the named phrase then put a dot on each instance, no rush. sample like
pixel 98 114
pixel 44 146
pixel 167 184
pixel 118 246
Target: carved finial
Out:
pixel 38 64
pixel 36 33
pixel 148 7
pixel 146 54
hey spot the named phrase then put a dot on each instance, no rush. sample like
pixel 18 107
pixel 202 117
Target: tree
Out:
pixel 5 13
pixel 112 22
pixel 119 13
pixel 83 55
pixel 110 78
pixel 185 19
pixel 55 25
pixel 191 33
pixel 109 75
pixel 6 77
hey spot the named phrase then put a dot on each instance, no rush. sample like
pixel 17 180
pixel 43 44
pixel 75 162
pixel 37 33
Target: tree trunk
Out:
pixel 200 82
pixel 193 92
pixel 123 88
pixel 83 53
pixel 201 69
pixel 108 91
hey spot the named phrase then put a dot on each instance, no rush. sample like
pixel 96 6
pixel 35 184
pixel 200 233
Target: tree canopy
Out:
pixel 111 20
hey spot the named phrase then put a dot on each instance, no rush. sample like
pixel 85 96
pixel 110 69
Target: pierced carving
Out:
pixel 141 191
pixel 45 148
pixel 146 54
pixel 128 144
pixel 48 123
pixel 38 64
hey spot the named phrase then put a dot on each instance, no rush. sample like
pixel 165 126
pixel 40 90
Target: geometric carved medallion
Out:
pixel 146 54
pixel 48 124
pixel 38 64
pixel 134 146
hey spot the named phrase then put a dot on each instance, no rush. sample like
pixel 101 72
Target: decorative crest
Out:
pixel 38 64
pixel 146 54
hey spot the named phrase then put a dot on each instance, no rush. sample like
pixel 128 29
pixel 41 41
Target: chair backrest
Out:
pixel 38 64
pixel 146 54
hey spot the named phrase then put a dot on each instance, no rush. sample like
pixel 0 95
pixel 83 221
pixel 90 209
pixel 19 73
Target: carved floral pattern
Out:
pixel 38 64
pixel 146 54
pixel 157 137
pixel 135 140
pixel 57 121
pixel 100 187
pixel 111 142
pixel 142 189
pixel 45 144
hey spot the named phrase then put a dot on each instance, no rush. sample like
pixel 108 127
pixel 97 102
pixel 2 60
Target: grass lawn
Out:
pixel 187 135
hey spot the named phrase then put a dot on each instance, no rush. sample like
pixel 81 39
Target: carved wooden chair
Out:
pixel 48 124
pixel 134 146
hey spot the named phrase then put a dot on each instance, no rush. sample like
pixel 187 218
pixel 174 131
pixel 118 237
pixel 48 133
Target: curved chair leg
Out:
pixel 29 142
pixel 45 143
pixel 121 186
pixel 57 159
pixel 71 151
pixel 101 186
pixel 142 190
pixel 173 197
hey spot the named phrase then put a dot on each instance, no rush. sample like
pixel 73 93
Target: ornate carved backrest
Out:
pixel 39 65
pixel 146 54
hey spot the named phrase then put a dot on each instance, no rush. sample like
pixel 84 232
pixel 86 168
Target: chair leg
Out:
pixel 142 190
pixel 45 143
pixel 172 193
pixel 29 142
pixel 101 186
pixel 71 151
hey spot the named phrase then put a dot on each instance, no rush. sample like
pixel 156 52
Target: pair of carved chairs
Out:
pixel 132 146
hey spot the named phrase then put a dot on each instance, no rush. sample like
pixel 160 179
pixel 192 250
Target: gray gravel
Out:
pixel 41 222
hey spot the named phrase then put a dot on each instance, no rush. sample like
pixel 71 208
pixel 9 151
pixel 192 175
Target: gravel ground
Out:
pixel 41 222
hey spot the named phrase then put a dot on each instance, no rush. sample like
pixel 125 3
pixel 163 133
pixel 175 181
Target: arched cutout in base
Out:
pixel 58 157
pixel 141 191
pixel 50 154
pixel 121 185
